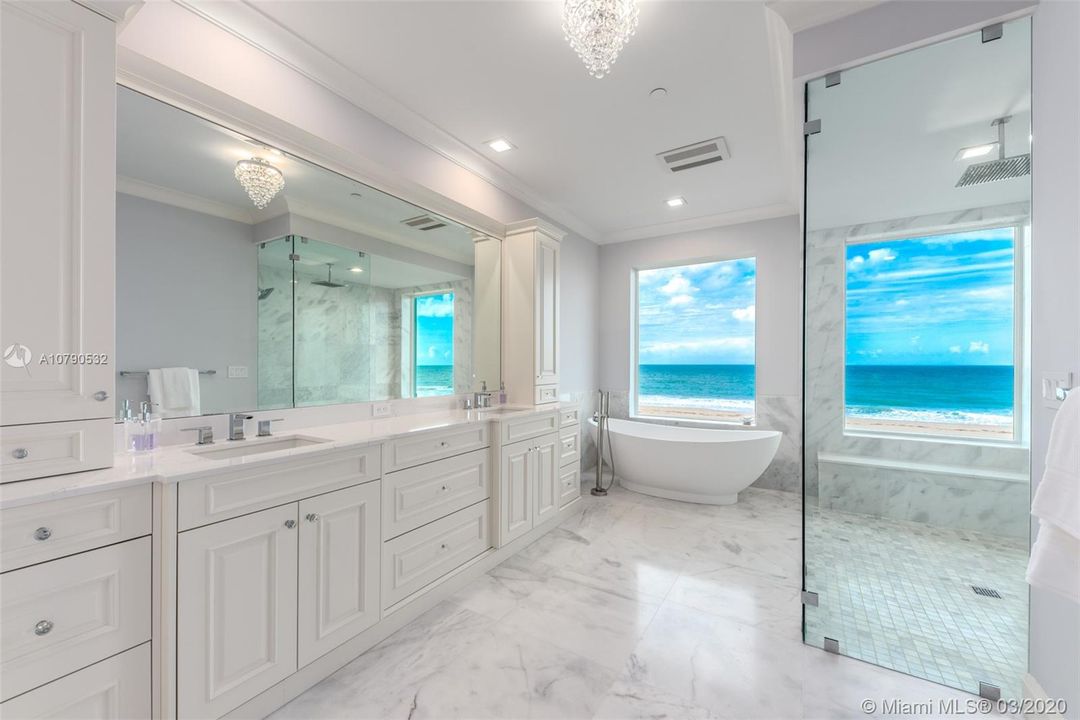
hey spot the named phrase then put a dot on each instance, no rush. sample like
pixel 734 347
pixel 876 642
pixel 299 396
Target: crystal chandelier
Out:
pixel 598 29
pixel 260 179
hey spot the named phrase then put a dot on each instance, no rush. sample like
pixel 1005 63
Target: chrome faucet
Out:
pixel 482 399
pixel 236 425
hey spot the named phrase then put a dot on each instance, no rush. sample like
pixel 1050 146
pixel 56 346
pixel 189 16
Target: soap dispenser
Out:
pixel 131 426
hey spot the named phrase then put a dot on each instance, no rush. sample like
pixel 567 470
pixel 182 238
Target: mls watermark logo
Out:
pixel 18 356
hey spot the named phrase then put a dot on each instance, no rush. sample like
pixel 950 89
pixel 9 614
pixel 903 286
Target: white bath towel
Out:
pixel 1055 556
pixel 174 392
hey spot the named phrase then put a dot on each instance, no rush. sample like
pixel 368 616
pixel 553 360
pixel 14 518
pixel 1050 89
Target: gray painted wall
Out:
pixel 579 349
pixel 777 245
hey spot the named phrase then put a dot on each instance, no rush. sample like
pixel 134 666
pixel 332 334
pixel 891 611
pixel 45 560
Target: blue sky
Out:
pixel 942 300
pixel 697 314
pixel 435 329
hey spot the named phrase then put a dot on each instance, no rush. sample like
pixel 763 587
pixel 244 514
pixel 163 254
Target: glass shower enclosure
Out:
pixel 916 467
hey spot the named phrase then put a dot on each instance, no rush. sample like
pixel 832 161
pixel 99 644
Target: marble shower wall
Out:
pixel 958 493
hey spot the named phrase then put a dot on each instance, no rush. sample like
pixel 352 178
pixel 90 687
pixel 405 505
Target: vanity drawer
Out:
pixel 231 493
pixel 413 560
pixel 33 451
pixel 60 616
pixel 113 689
pixel 45 531
pixel 546 394
pixel 415 497
pixel 416 450
pixel 569 445
pixel 569 416
pixel 569 485
pixel 529 426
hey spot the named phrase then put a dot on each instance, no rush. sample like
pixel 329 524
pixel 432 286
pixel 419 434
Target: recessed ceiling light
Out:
pixel 975 151
pixel 500 145
pixel 356 269
pixel 355 195
pixel 676 202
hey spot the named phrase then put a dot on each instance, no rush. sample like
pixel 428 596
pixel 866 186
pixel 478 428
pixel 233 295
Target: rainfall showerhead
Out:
pixel 265 293
pixel 328 282
pixel 1004 168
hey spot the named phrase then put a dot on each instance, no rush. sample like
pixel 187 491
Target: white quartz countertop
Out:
pixel 173 463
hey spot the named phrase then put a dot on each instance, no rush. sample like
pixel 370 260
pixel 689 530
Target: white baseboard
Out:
pixel 393 619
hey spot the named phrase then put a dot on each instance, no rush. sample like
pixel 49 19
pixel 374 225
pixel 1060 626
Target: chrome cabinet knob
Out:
pixel 43 627
pixel 444 488
pixel 444 444
pixel 444 546
pixel 101 396
pixel 290 524
pixel 20 453
pixel 42 533
pixel 312 517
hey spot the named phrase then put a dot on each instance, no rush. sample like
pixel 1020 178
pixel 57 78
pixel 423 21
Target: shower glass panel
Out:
pixel 916 468
pixel 275 341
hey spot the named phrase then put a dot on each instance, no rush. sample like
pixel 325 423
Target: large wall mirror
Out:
pixel 249 279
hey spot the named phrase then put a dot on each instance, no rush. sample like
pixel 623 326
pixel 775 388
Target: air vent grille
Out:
pixel 701 153
pixel 424 222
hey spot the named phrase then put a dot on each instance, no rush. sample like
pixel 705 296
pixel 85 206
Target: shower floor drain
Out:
pixel 986 592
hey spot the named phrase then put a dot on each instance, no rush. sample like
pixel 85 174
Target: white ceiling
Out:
pixel 169 155
pixel 479 70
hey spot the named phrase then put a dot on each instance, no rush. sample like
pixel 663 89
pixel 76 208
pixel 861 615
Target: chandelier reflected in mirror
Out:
pixel 597 30
pixel 261 180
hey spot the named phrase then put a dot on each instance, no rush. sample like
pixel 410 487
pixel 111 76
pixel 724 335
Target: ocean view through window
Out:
pixel 695 341
pixel 931 341
pixel 433 360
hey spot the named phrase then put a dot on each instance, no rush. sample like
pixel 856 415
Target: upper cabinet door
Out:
pixel 340 548
pixel 236 610
pixel 57 212
pixel 547 310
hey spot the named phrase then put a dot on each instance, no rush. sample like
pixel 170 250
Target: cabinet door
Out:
pixel 339 568
pixel 546 479
pixel 515 490
pixel 57 210
pixel 236 610
pixel 547 310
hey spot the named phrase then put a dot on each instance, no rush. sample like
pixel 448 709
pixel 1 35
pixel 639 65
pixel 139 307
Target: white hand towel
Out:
pixel 1055 556
pixel 174 392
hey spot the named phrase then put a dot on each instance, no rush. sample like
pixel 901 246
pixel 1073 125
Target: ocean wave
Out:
pixel 698 403
pixel 966 417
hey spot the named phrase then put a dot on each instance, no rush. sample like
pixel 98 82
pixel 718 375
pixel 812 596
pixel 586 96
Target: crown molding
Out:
pixel 187 201
pixel 735 217
pixel 246 22
pixel 538 224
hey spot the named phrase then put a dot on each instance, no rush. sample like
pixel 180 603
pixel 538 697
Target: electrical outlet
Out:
pixel 238 371
pixel 380 410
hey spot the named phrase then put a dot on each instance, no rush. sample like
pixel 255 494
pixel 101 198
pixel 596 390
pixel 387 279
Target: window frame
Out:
pixel 414 318
pixel 635 341
pixel 1021 227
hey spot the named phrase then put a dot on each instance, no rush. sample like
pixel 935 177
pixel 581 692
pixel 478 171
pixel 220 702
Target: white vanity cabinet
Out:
pixel 528 476
pixel 57 230
pixel 531 312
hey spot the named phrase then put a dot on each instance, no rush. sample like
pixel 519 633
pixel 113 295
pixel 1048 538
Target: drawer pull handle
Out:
pixel 101 396
pixel 43 627
pixel 20 453
pixel 312 517
pixel 42 533
pixel 290 524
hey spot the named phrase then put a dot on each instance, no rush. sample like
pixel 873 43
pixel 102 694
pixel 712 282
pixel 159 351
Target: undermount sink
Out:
pixel 241 448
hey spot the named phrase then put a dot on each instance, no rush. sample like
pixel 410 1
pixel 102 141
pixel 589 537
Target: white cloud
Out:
pixel 746 314
pixel 869 353
pixel 677 285
pixel 727 343
pixel 998 292
pixel 881 255
pixel 978 346
pixel 432 351
pixel 902 302
pixel 681 300
pixel 955 349
pixel 856 262
pixel 437 306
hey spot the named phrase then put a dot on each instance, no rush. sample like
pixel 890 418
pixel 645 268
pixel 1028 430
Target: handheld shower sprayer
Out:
pixel 603 400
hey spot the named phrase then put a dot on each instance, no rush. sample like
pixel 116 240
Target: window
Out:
pixel 695 341
pixel 931 335
pixel 433 345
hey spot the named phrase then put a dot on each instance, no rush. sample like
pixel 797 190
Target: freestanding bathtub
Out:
pixel 698 465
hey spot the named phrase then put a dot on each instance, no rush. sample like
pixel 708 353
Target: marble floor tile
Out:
pixel 742 595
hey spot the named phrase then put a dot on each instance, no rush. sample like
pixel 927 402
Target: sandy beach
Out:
pixel 963 430
pixel 691 413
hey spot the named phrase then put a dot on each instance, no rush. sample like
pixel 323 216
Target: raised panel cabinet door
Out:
pixel 547 310
pixel 339 568
pixel 57 212
pixel 236 610
pixel 515 490
pixel 547 476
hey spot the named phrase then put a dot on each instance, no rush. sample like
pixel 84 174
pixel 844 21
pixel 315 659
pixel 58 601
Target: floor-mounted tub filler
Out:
pixel 699 465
